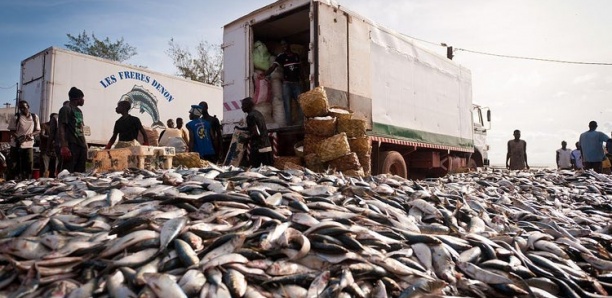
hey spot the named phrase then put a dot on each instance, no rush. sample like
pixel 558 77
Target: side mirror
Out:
pixel 488 115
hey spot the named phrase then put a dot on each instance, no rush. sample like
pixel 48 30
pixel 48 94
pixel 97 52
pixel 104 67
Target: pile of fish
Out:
pixel 264 232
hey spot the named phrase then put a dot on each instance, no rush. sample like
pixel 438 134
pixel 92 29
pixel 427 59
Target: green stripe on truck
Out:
pixel 396 132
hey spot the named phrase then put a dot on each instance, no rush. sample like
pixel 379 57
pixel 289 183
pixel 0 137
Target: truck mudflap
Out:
pixel 418 144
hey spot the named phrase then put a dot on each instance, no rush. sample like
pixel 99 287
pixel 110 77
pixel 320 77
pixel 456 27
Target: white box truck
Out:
pixel 417 104
pixel 47 76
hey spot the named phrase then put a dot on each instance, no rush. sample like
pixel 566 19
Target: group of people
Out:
pixel 205 136
pixel 63 144
pixel 589 152
pixel 568 159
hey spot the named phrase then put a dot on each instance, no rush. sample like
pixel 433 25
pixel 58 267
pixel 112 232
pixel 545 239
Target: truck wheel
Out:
pixel 472 165
pixel 393 163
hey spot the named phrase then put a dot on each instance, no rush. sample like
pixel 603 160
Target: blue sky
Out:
pixel 548 102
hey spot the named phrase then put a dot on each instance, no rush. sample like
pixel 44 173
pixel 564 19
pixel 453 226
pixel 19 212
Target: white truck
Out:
pixel 417 104
pixel 47 76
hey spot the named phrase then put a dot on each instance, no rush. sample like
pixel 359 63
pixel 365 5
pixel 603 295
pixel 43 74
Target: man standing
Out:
pixel 73 147
pixel 592 151
pixel 576 158
pixel 47 153
pixel 200 135
pixel 261 150
pixel 23 127
pixel 517 153
pixel 184 131
pixel 54 140
pixel 172 137
pixel 127 127
pixel 215 127
pixel 292 88
pixel 564 157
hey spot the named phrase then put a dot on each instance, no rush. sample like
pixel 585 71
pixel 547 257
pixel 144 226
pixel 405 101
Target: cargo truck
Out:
pixel 417 104
pixel 47 76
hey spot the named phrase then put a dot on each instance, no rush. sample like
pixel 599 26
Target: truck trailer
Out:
pixel 47 76
pixel 417 104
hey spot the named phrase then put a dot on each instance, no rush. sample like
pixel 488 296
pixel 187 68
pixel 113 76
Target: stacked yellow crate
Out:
pixel 328 134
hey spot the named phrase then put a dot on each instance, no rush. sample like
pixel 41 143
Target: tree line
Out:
pixel 204 65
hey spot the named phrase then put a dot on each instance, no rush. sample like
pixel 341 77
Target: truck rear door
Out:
pixel 33 86
pixel 331 55
pixel 342 59
pixel 236 69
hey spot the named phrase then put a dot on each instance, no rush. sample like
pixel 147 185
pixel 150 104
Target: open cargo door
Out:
pixel 343 59
pixel 33 86
pixel 332 54
pixel 236 69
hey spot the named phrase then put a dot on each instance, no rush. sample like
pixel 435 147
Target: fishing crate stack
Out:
pixel 140 157
pixel 333 139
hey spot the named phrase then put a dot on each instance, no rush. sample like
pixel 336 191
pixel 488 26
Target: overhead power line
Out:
pixel 505 56
pixel 531 58
pixel 8 87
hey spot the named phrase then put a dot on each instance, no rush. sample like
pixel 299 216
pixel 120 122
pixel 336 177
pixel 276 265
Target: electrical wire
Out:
pixel 9 87
pixel 531 58
pixel 422 40
pixel 509 56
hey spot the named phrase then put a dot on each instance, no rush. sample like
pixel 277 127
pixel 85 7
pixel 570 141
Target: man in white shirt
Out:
pixel 23 127
pixel 576 158
pixel 564 157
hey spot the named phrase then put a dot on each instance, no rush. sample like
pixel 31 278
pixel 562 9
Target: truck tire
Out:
pixel 392 162
pixel 472 164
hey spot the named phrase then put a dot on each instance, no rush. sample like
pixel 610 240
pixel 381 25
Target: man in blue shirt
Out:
pixel 591 143
pixel 200 135
pixel 215 125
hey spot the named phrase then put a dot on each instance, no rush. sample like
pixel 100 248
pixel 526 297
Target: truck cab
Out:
pixel 482 124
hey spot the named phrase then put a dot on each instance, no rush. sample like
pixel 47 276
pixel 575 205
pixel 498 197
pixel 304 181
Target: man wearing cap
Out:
pixel 73 147
pixel 292 88
pixel 591 147
pixel 200 135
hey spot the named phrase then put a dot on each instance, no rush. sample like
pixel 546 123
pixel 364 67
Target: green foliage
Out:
pixel 91 45
pixel 205 66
